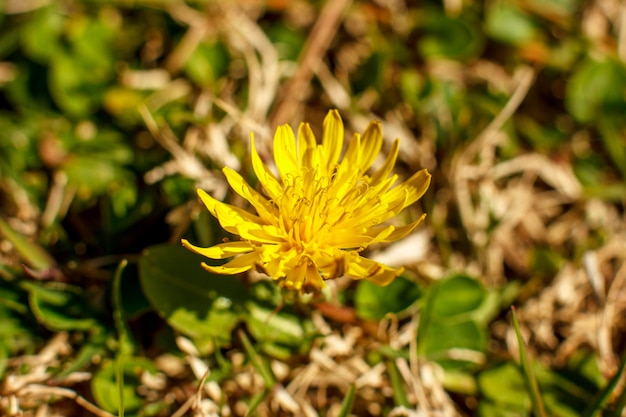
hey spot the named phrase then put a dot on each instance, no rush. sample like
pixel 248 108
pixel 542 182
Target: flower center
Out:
pixel 313 206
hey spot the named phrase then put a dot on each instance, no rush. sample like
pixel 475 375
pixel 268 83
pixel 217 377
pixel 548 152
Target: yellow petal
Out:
pixel 228 216
pixel 285 154
pixel 269 182
pixel 411 190
pixel 363 268
pixel 295 277
pixel 403 231
pixel 387 166
pixel 266 210
pixel 239 222
pixel 332 139
pixel 371 143
pixel 306 144
pixel 345 239
pixel 220 251
pixel 417 185
pixel 351 158
pixel 276 261
pixel 313 281
pixel 238 265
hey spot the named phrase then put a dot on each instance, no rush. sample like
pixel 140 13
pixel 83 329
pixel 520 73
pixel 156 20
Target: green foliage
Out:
pixel 374 302
pixel 105 388
pixel 453 322
pixel 198 304
pixel 279 329
pixel 453 38
pixel 84 184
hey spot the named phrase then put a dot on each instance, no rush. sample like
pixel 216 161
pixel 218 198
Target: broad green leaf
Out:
pixel 41 37
pixel 504 385
pixel 198 304
pixel 67 87
pixel 453 322
pixel 455 296
pixel 453 38
pixel 508 24
pixel 278 329
pixel 207 64
pixel 94 175
pixel 453 344
pixel 279 333
pixel 595 89
pixel 375 302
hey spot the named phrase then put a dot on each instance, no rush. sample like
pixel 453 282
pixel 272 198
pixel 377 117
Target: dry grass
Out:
pixel 507 207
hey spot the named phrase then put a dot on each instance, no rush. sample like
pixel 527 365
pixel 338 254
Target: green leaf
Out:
pixel 200 305
pixel 5 354
pixel 375 302
pixel 60 306
pixel 256 400
pixel 33 254
pixel 508 24
pixel 105 386
pixel 612 136
pixel 286 40
pixel 452 328
pixel 603 395
pixel 596 89
pixel 455 344
pixel 529 376
pixel 399 393
pixel 449 37
pixel 503 385
pixel 207 64
pixel 259 363
pixel 565 393
pixel 126 343
pixel 66 82
pixel 41 37
pixel 278 329
pixel 347 403
pixel 455 296
pixel 94 175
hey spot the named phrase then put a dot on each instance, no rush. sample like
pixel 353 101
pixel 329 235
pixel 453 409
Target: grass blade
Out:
pixel 539 409
pixel 347 403
pixel 126 345
pixel 258 362
pixel 605 394
pixel 399 394
pixel 255 401
pixel 33 254
pixel 119 379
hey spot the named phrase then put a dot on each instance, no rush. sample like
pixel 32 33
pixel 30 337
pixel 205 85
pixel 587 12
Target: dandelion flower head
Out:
pixel 314 219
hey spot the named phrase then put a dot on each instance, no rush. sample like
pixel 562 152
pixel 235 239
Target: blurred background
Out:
pixel 112 113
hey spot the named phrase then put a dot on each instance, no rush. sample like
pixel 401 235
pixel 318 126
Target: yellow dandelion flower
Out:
pixel 314 221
